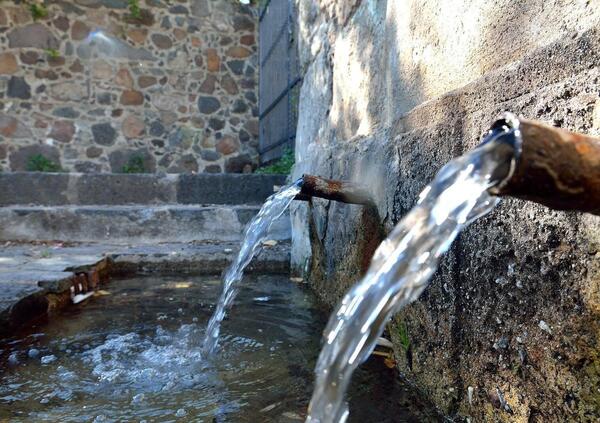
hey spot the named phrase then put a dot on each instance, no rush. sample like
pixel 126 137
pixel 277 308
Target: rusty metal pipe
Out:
pixel 555 167
pixel 343 191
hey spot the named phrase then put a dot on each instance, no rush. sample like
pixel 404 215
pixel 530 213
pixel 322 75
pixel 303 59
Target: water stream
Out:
pixel 255 234
pixel 403 265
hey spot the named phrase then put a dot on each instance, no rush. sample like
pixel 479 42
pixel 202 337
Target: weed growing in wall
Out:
pixel 52 53
pixel 403 336
pixel 40 163
pixel 135 12
pixel 135 164
pixel 282 166
pixel 38 11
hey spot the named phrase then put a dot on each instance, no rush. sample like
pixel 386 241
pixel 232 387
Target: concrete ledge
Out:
pixel 132 224
pixel 226 188
pixel 54 189
pixel 40 279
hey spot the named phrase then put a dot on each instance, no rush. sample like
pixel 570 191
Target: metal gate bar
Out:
pixel 279 79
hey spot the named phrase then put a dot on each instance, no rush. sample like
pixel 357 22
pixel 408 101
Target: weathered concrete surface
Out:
pixel 50 189
pixel 402 87
pixel 37 279
pixel 132 224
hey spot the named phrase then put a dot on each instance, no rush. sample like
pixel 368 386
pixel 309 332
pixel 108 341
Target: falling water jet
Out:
pixel 256 232
pixel 404 262
pixel 306 187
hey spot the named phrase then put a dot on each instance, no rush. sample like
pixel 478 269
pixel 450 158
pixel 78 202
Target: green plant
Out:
pixel 52 53
pixel 135 164
pixel 135 12
pixel 38 11
pixel 282 166
pixel 45 254
pixel 40 163
pixel 403 336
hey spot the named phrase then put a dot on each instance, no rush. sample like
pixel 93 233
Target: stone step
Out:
pixel 58 189
pixel 132 225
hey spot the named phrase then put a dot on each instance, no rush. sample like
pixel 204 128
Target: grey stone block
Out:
pixel 124 189
pixel 226 188
pixel 33 188
pixel 132 225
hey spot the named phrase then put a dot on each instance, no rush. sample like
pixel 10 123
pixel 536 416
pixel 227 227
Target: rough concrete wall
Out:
pixel 177 88
pixel 392 91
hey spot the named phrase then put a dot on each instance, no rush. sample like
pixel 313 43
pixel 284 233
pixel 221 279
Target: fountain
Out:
pixel 517 157
pixel 303 189
pixel 404 263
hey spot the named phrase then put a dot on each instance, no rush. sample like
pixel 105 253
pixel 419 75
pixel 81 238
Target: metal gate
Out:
pixel 279 79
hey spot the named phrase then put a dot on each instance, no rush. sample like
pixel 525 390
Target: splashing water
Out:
pixel 255 234
pixel 404 263
pixel 100 43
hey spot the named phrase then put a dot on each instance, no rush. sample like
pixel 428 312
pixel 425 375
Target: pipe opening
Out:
pixel 505 133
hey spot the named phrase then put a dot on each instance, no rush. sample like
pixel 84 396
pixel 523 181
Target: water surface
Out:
pixel 135 354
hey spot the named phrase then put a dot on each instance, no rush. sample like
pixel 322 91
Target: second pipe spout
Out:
pixel 342 191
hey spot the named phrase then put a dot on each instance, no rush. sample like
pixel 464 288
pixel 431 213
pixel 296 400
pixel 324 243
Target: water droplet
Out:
pixel 262 299
pixel 13 358
pixel 511 269
pixel 47 359
pixel 544 326
pixel 501 281
pixel 137 399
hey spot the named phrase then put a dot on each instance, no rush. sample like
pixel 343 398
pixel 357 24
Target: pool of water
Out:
pixel 133 353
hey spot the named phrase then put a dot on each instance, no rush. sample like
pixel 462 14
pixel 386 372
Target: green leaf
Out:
pixel 282 166
pixel 40 163
pixel 135 164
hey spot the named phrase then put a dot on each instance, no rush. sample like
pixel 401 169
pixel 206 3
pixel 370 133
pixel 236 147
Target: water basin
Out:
pixel 134 353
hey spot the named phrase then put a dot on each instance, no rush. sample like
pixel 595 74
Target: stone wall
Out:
pixel 393 90
pixel 173 89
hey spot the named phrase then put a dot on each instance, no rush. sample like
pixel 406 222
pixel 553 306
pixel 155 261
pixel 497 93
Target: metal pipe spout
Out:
pixel 553 167
pixel 329 189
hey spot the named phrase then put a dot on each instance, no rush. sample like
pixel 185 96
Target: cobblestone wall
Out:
pixel 174 88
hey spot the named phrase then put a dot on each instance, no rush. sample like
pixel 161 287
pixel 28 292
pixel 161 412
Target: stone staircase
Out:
pixel 133 209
